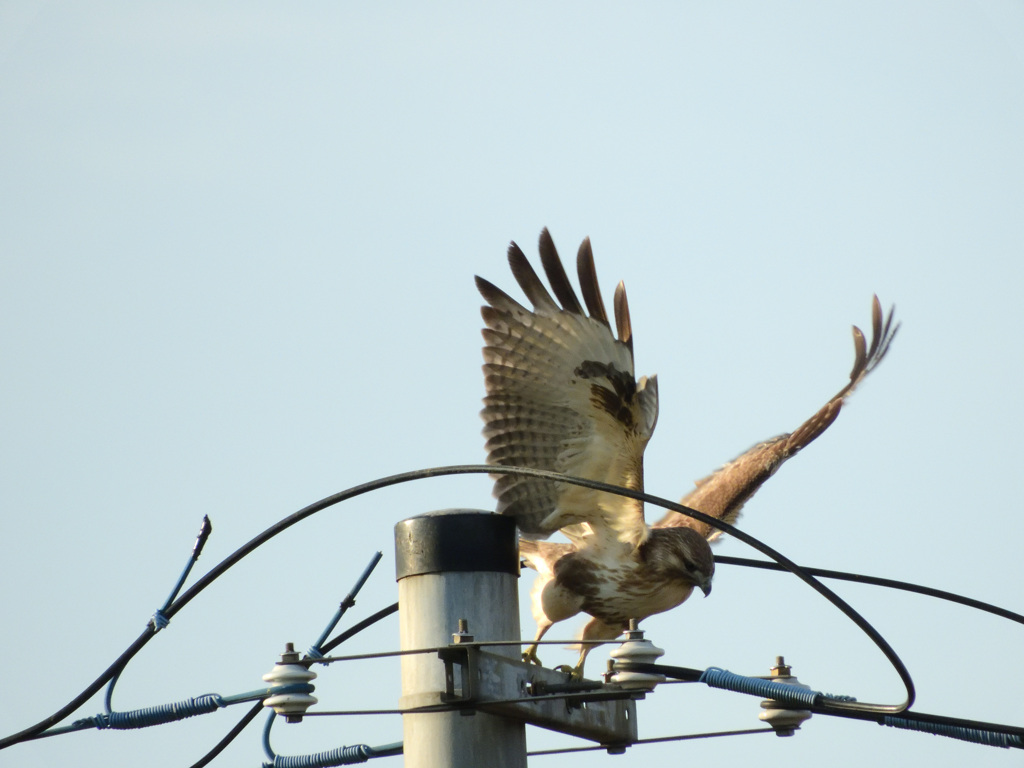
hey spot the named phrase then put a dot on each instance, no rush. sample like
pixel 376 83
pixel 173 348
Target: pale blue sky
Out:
pixel 237 243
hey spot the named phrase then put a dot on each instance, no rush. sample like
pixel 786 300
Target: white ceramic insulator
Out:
pixel 784 721
pixel 289 703
pixel 639 651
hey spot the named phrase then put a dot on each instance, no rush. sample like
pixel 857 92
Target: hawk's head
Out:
pixel 680 553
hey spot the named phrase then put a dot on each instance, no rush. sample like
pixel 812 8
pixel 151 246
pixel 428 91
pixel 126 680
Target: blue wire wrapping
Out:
pixel 974 735
pixel 794 696
pixel 163 713
pixel 315 651
pixel 357 753
pixel 158 715
pixel 178 710
pixel 160 619
pixel 350 755
pixel 717 677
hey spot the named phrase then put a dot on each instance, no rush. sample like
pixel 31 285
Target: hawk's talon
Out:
pixel 530 656
pixel 574 673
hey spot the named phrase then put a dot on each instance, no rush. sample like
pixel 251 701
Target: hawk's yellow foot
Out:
pixel 530 656
pixel 574 673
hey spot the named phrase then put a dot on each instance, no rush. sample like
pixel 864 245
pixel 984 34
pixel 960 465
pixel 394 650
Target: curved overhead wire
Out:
pixel 282 525
pixel 878 581
pixel 210 576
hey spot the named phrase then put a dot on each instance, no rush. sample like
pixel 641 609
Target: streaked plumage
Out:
pixel 562 396
pixel 723 493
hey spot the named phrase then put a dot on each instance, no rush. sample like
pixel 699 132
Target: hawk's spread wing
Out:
pixel 561 396
pixel 723 493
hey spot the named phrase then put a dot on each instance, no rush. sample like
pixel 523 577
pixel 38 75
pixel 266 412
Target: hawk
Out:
pixel 562 396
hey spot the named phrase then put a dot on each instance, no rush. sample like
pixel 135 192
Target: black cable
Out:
pixel 825 706
pixel 381 614
pixel 878 581
pixel 684 674
pixel 422 474
pixel 33 731
pixel 925 717
pixel 239 727
pixel 198 587
pixel 746 538
pixel 214 573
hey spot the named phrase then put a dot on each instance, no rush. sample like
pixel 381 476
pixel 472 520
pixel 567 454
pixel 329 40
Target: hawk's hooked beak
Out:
pixel 705 587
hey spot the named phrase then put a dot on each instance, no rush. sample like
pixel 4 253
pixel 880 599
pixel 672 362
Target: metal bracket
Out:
pixel 481 680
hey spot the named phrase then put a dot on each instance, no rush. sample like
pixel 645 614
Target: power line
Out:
pixel 860 578
pixel 176 603
pixel 656 740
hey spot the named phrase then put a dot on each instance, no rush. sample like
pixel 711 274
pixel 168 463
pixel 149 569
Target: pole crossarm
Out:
pixel 476 679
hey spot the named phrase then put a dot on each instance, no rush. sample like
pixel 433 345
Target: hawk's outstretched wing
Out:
pixel 561 396
pixel 723 493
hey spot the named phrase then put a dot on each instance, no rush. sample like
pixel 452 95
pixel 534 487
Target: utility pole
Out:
pixel 451 565
pixel 465 703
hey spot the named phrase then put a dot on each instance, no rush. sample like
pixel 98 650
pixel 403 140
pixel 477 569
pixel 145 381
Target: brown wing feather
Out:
pixel 588 282
pixel 528 280
pixel 561 396
pixel 622 323
pixel 556 274
pixel 723 493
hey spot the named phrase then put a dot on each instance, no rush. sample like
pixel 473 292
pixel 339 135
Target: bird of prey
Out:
pixel 562 396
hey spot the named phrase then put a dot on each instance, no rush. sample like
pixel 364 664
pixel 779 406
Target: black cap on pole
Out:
pixel 456 540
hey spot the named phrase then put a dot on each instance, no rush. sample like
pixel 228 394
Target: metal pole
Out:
pixel 456 564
